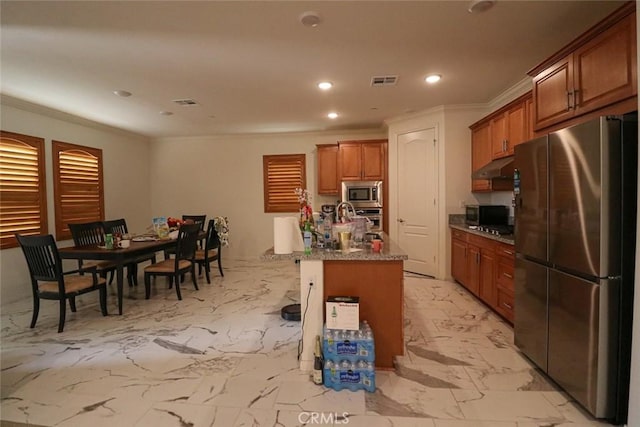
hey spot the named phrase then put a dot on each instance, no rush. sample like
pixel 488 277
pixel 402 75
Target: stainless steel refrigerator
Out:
pixel 575 232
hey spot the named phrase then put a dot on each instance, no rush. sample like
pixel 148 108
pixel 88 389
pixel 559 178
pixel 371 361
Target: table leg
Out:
pixel 119 280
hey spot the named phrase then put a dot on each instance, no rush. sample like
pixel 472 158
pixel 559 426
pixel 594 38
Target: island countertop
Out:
pixel 390 252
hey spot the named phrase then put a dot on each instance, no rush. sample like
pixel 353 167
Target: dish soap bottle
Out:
pixel 307 238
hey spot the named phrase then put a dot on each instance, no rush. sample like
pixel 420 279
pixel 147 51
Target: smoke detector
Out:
pixel 310 19
pixel 479 6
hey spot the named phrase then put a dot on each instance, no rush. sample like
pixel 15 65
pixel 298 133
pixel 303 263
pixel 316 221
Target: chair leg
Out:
pixel 207 269
pixel 103 300
pixel 110 277
pixel 63 313
pixel 200 269
pixel 147 285
pixel 135 274
pixel 36 310
pixel 171 282
pixel 178 286
pixel 72 304
pixel 193 276
pixel 220 266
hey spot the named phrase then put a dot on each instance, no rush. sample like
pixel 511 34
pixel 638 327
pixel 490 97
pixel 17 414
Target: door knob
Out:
pixel 400 220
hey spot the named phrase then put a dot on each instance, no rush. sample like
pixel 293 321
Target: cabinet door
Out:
pixel 480 154
pixel 517 127
pixel 552 93
pixel 350 161
pixel 605 68
pixel 328 180
pixel 373 160
pixel 487 285
pixel 459 260
pixel 530 118
pixel 473 269
pixel 499 129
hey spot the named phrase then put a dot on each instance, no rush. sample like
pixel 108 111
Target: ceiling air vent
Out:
pixel 185 102
pixel 384 80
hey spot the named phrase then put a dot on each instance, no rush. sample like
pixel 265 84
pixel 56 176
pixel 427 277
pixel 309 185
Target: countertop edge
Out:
pixel 482 234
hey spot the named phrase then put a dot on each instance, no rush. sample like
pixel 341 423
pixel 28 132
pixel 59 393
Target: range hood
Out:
pixel 499 168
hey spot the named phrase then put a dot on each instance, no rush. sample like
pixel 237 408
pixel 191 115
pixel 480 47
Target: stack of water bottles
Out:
pixel 349 359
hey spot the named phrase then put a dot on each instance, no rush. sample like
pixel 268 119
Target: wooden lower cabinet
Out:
pixel 380 286
pixel 485 267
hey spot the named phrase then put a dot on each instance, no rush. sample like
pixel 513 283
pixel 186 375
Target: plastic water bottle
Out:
pixel 307 238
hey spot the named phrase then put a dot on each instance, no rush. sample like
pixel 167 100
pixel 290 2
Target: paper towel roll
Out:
pixel 286 235
pixel 282 242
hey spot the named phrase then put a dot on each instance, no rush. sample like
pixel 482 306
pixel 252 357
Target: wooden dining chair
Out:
pixel 182 263
pixel 197 219
pixel 48 281
pixel 120 226
pixel 211 251
pixel 90 234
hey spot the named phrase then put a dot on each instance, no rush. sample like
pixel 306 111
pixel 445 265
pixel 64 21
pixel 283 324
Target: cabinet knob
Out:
pixel 575 98
pixel 569 95
pixel 508 275
pixel 401 221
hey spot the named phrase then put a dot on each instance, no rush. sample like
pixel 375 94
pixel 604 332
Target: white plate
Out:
pixel 144 239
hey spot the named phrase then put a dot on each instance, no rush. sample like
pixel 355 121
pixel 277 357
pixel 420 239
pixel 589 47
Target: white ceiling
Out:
pixel 253 67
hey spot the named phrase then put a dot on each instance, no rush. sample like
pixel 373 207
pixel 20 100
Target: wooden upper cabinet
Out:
pixel 605 69
pixel 362 160
pixel 509 128
pixel 480 154
pixel 499 129
pixel 529 117
pixel 516 126
pixel 373 160
pixel 328 179
pixel 593 72
pixel 551 93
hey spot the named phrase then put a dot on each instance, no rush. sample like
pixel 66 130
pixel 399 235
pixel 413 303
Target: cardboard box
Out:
pixel 343 312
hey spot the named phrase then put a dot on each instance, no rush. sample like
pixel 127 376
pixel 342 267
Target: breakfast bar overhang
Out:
pixel 375 277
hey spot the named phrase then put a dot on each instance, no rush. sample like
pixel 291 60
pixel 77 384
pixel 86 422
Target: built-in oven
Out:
pixel 374 215
pixel 362 194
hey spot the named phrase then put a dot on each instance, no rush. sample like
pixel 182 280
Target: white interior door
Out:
pixel 418 200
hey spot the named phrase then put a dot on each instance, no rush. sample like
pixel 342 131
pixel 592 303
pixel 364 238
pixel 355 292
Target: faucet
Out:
pixel 342 212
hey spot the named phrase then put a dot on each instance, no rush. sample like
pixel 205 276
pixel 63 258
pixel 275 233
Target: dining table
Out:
pixel 119 256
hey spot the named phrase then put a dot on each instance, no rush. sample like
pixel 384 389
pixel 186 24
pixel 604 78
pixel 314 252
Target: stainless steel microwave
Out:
pixel 487 215
pixel 362 194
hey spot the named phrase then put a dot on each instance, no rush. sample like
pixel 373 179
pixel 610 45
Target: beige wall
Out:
pixel 222 176
pixel 126 179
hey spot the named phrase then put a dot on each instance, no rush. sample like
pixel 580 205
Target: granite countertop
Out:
pixel 509 240
pixel 390 252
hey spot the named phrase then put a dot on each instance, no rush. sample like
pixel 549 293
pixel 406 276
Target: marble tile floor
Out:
pixel 223 357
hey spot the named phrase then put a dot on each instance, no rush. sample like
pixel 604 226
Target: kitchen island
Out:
pixel 375 277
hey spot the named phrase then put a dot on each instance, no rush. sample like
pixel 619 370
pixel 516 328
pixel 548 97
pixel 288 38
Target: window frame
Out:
pixel 8 239
pixel 292 161
pixel 61 214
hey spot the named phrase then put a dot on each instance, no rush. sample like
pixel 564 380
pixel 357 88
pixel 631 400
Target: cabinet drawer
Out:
pixel 504 274
pixel 460 235
pixel 505 250
pixel 481 241
pixel 505 304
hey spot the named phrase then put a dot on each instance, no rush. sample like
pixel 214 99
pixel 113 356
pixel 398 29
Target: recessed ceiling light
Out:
pixel 479 6
pixel 310 19
pixel 122 93
pixel 325 85
pixel 433 78
pixel 332 115
pixel 166 113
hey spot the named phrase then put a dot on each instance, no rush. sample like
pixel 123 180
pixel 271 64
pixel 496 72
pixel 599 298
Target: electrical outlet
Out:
pixel 311 280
